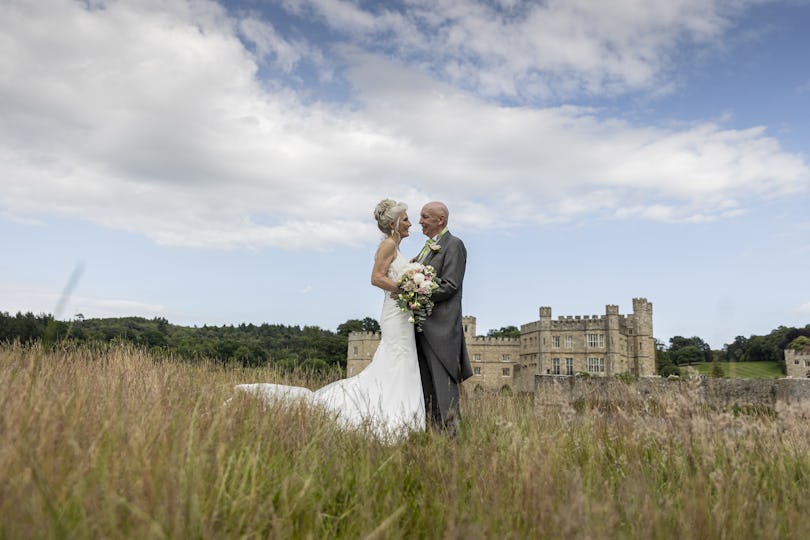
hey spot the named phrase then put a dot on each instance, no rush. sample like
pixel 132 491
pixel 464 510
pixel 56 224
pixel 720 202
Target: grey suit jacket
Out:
pixel 443 330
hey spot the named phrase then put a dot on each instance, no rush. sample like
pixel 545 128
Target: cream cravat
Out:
pixel 428 243
pixel 425 249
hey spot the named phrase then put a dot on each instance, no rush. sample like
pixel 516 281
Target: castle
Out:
pixel 609 344
pixel 797 361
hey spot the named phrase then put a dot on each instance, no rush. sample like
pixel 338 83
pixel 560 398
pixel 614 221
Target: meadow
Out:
pixel 115 443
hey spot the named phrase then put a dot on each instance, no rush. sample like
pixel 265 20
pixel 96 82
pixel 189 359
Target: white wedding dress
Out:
pixel 387 395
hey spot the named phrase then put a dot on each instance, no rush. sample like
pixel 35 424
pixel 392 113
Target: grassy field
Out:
pixel 743 370
pixel 117 444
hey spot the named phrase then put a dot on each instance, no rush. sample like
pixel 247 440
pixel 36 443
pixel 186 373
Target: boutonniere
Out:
pixel 435 247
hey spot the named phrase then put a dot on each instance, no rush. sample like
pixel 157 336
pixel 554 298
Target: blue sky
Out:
pixel 218 162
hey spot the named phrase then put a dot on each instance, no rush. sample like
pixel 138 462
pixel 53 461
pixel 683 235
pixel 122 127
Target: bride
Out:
pixel 387 395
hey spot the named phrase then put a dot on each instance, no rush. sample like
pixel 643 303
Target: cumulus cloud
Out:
pixel 530 50
pixel 150 117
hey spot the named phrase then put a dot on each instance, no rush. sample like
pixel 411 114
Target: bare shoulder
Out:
pixel 387 248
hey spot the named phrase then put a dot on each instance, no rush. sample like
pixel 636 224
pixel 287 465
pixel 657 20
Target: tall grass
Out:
pixel 117 444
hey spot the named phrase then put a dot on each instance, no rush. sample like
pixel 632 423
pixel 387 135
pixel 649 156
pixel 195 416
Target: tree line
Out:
pixel 286 347
pixel 316 349
pixel 767 348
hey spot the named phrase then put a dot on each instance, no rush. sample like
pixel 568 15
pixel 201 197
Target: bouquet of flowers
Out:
pixel 416 285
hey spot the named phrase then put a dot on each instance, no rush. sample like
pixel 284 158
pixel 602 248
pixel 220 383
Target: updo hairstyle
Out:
pixel 387 214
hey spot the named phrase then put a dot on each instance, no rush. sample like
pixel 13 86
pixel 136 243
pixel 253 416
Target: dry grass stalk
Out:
pixel 116 443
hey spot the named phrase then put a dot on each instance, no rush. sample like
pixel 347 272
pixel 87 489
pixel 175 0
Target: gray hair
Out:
pixel 387 214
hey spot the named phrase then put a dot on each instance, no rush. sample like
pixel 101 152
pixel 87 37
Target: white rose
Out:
pixel 412 266
pixel 418 278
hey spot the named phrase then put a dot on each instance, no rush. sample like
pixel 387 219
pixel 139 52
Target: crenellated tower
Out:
pixel 361 349
pixel 615 356
pixel 468 323
pixel 610 344
pixel 643 342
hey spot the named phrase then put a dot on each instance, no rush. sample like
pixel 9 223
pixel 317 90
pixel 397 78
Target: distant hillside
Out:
pixel 287 347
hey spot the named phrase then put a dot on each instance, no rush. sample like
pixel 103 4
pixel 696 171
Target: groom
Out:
pixel 443 359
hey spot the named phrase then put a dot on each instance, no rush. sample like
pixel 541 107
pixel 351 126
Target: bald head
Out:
pixel 433 218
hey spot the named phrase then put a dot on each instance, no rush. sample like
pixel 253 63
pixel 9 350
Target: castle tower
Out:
pixel 360 351
pixel 613 340
pixel 544 339
pixel 468 323
pixel 644 343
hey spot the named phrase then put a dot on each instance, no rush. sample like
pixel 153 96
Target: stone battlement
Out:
pixel 491 339
pixel 363 335
pixel 602 345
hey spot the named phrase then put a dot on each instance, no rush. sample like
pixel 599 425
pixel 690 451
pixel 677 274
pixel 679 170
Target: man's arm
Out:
pixel 452 272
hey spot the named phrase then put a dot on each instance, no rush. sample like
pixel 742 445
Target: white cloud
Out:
pixel 149 117
pixel 544 49
pixel 25 297
pixel 272 47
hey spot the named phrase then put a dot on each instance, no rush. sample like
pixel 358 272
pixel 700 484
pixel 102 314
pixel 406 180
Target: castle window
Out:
pixel 505 358
pixel 477 370
pixel 596 341
pixel 569 342
pixel 505 372
pixel 476 358
pixel 355 350
pixel 569 366
pixel 555 342
pixel 807 363
pixel 796 361
pixel 596 365
pixel 555 366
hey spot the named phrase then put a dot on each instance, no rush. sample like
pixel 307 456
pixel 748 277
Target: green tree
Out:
pixel 505 332
pixel 799 344
pixel 690 354
pixel 370 325
pixel 356 325
pixel 661 353
pixel 678 343
pixel 669 370
pixel 736 350
pixel 663 362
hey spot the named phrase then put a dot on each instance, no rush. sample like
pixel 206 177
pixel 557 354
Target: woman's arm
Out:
pixel 382 261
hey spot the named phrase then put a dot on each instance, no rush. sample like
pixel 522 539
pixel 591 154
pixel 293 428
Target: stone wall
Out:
pixel 573 392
